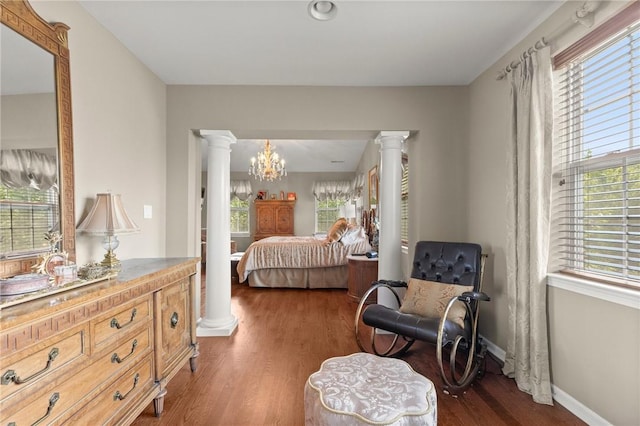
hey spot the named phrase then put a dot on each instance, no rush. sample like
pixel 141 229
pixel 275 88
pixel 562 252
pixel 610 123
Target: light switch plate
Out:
pixel 147 212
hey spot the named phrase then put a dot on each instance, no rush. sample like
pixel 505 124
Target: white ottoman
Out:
pixel 366 389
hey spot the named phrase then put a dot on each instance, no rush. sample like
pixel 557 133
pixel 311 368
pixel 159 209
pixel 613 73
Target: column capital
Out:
pixel 215 137
pixel 390 136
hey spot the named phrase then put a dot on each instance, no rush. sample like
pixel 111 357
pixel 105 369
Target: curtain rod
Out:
pixel 513 65
pixel 584 15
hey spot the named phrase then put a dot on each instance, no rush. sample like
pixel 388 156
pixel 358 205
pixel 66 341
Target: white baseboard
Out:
pixel 561 397
pixel 577 408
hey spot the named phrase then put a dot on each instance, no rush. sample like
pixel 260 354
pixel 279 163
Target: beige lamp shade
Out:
pixel 108 217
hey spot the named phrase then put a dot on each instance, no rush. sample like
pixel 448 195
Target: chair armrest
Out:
pixel 391 283
pixel 474 295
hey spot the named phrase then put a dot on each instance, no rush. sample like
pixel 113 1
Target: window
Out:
pixel 404 202
pixel 327 212
pixel 26 214
pixel 239 216
pixel 596 198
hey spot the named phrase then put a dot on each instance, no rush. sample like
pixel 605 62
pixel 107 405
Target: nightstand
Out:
pixel 362 272
pixel 235 258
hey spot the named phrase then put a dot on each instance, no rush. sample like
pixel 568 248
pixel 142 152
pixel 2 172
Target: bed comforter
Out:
pixel 297 252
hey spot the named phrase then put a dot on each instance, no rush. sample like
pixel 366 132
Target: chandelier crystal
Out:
pixel 268 166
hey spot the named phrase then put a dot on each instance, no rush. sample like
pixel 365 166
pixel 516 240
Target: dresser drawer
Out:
pixel 128 390
pixel 41 363
pixel 117 359
pixel 118 322
pixel 52 402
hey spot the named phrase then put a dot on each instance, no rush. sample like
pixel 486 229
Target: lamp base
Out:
pixel 111 262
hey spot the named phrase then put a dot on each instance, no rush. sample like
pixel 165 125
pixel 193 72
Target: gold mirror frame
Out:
pixel 20 17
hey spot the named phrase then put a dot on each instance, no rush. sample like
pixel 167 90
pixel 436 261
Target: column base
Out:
pixel 209 328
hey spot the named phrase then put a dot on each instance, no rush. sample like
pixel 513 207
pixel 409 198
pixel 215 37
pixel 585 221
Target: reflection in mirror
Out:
pixel 36 141
pixel 29 189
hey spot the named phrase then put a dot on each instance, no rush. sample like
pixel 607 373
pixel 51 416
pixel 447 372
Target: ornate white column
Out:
pixel 390 175
pixel 218 319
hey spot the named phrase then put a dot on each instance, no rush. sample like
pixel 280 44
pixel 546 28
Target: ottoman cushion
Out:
pixel 366 389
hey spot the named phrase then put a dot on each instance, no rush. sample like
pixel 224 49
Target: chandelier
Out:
pixel 269 166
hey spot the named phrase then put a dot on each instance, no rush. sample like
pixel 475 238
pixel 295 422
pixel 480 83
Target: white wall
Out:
pixel 119 131
pixel 595 344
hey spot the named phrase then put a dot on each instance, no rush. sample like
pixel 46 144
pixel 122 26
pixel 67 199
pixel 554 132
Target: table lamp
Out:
pixel 108 218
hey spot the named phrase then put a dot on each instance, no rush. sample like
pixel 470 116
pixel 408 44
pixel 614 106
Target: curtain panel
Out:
pixel 528 231
pixel 357 186
pixel 240 189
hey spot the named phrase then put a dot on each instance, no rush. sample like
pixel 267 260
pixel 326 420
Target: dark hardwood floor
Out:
pixel 257 376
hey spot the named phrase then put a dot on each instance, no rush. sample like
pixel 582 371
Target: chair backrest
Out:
pixel 451 263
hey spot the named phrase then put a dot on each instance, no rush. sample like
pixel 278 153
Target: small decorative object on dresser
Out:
pixel 291 196
pixel 25 283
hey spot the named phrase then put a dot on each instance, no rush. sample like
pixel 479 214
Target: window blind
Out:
pixel 404 201
pixel 26 214
pixel 596 194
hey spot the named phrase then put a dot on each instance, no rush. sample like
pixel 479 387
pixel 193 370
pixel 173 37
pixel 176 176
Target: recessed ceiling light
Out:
pixel 322 10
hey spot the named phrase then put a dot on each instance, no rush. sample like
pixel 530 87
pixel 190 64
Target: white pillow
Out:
pixel 353 235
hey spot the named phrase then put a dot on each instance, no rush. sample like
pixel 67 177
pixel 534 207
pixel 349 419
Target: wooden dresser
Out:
pixel 100 353
pixel 274 218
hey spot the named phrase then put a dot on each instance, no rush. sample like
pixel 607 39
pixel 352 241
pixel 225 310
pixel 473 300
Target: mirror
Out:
pixel 36 129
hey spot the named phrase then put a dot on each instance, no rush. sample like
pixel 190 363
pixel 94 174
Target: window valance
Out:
pixel 240 189
pixel 22 168
pixel 332 190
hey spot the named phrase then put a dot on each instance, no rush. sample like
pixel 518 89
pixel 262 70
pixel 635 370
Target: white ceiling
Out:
pixel 302 155
pixel 369 43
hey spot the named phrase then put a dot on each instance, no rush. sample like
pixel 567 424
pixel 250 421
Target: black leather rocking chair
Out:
pixel 440 307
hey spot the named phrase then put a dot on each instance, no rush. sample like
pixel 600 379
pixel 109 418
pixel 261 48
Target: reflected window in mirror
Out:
pixel 29 202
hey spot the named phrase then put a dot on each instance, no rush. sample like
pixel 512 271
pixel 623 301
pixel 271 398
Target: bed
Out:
pixel 301 262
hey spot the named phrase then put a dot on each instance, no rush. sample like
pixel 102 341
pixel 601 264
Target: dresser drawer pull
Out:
pixel 116 324
pixel 11 376
pixel 119 397
pixel 52 401
pixel 115 358
pixel 174 320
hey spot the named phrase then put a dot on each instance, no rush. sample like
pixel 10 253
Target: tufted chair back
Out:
pixel 452 263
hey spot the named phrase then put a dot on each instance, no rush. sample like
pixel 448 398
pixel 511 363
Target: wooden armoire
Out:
pixel 274 218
